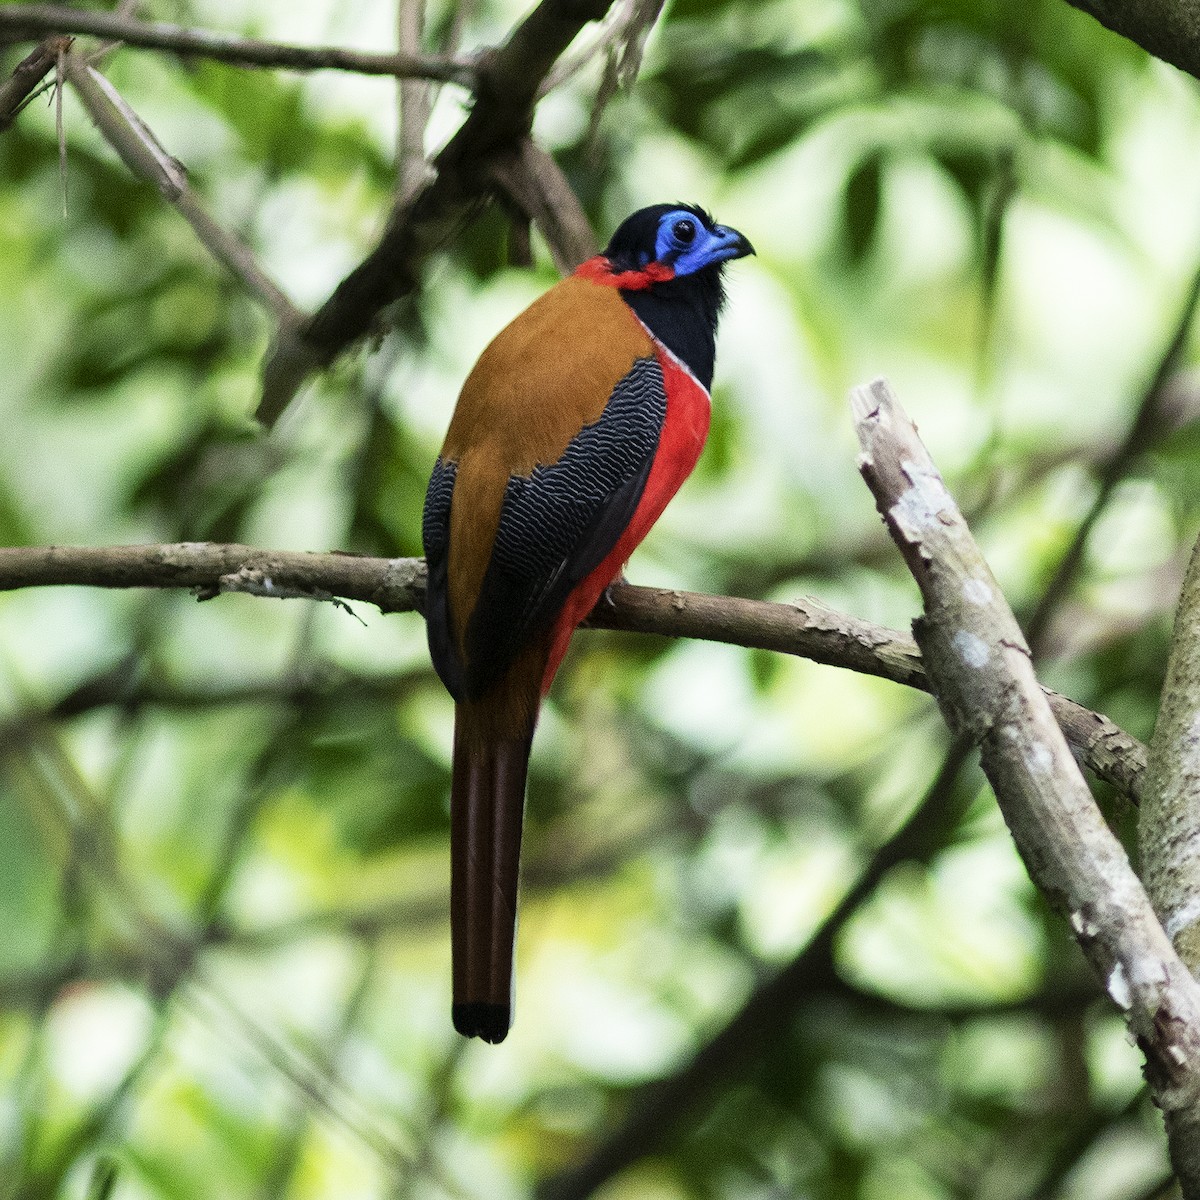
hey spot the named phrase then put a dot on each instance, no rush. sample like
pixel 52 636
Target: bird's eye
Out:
pixel 684 231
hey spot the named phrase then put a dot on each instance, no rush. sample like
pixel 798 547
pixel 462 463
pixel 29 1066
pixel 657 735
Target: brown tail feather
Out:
pixel 487 803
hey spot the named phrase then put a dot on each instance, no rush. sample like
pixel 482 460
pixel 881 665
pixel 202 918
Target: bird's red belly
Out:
pixel 684 431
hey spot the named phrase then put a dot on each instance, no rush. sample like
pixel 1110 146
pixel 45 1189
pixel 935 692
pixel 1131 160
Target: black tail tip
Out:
pixel 488 1021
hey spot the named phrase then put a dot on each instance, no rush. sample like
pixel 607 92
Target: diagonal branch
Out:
pixel 1169 29
pixel 534 182
pixel 661 1107
pixel 1151 421
pixel 16 90
pixel 803 627
pixel 509 78
pixel 33 20
pixel 982 676
pixel 141 152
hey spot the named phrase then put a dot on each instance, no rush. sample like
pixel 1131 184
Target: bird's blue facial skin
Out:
pixel 687 244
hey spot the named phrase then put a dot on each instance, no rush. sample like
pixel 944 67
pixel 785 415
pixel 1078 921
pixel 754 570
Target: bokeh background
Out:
pixel 770 946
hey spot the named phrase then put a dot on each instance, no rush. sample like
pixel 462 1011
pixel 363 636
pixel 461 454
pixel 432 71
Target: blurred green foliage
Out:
pixel 223 827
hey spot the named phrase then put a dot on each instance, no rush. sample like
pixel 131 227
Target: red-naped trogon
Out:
pixel 576 427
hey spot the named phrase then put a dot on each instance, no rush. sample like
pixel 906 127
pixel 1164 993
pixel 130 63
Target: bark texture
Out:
pixel 982 675
pixel 1169 29
pixel 1169 824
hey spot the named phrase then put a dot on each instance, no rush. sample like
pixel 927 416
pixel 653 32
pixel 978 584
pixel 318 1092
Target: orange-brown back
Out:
pixel 545 376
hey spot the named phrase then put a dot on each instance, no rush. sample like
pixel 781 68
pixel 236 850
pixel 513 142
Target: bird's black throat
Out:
pixel 683 313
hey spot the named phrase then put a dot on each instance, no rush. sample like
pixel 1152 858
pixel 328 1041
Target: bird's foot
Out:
pixel 607 598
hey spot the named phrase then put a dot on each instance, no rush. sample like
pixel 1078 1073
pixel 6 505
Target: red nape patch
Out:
pixel 599 270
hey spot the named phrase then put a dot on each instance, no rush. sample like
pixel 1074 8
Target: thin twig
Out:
pixel 17 90
pixel 1151 420
pixel 803 627
pixel 982 674
pixel 621 39
pixel 34 20
pixel 142 153
pixel 289 1143
pixel 326 1093
pixel 59 129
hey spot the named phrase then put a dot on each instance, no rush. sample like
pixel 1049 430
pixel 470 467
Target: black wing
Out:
pixel 435 535
pixel 560 522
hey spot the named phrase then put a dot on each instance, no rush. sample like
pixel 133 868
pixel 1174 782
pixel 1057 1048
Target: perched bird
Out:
pixel 575 428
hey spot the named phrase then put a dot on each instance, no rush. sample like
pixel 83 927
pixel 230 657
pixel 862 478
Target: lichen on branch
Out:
pixel 981 673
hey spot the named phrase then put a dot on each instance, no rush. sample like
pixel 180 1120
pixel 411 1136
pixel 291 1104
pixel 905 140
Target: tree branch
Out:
pixel 509 77
pixel 1169 824
pixel 533 181
pixel 141 152
pixel 411 167
pixel 392 585
pixel 28 73
pixel 1152 420
pixel 803 627
pixel 23 21
pixel 660 1107
pixel 122 687
pixel 1169 29
pixel 984 682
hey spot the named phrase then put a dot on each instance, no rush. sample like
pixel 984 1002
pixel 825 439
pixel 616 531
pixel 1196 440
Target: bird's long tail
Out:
pixel 487 804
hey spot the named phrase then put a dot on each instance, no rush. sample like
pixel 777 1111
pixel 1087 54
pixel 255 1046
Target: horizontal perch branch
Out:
pixel 35 20
pixel 802 627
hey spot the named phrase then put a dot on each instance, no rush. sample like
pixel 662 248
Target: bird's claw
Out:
pixel 607 598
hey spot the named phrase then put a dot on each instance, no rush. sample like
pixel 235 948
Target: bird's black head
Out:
pixel 680 236
pixel 667 261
